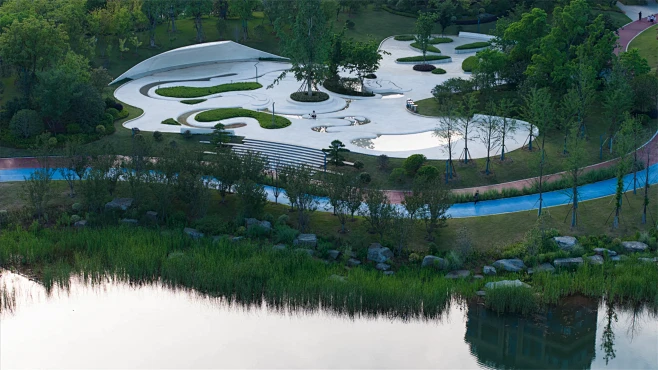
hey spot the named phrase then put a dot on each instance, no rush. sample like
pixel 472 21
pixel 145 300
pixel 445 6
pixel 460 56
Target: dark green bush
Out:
pixel 420 58
pixel 196 92
pixel 469 64
pixel 404 38
pixel 264 119
pixel 113 112
pixel 428 172
pixel 358 165
pixel 473 45
pixel 398 175
pixel 73 128
pixel 430 48
pixel 284 233
pixel 193 101
pixel 438 71
pixel 441 40
pixel 157 136
pixel 302 96
pixel 365 177
pixel 345 86
pixel 412 164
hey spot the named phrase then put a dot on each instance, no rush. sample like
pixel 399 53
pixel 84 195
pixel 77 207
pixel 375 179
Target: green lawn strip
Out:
pixel 469 64
pixel 430 48
pixel 648 45
pixel 473 45
pixel 438 71
pixel 264 119
pixel 420 58
pixel 404 38
pixel 193 101
pixel 441 40
pixel 195 92
pixel 170 121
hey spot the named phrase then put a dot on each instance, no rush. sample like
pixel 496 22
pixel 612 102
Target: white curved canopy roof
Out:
pixel 193 55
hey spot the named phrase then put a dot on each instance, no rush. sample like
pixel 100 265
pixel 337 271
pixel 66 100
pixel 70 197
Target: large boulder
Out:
pixel 603 251
pixel 379 254
pixel 506 284
pixel 80 224
pixel 251 222
pixel 152 216
pixel 433 261
pixel 193 233
pixel 510 265
pixel 382 267
pixel 489 270
pixel 543 267
pixel 458 274
pixel 353 262
pixel 566 243
pixel 306 240
pixel 121 204
pixel 568 262
pixel 333 254
pixel 595 259
pixel 634 246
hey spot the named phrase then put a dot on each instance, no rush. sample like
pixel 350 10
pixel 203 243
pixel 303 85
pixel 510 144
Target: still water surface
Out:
pixel 116 325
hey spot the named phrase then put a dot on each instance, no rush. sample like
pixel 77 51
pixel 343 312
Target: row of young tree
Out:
pixel 180 179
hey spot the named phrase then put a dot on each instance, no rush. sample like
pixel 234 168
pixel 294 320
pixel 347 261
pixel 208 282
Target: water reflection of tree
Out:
pixel 608 334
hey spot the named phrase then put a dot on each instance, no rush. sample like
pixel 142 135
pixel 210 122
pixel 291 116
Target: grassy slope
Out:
pixel 648 45
pixel 486 232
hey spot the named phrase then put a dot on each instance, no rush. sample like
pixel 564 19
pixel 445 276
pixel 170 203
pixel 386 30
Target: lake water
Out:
pixel 116 325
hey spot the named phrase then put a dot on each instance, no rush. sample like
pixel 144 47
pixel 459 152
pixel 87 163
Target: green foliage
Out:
pixel 511 300
pixel 430 48
pixel 428 172
pixel 413 163
pixel 398 175
pixel 315 97
pixel 438 71
pixel 440 40
pixel 334 152
pixel 264 119
pixel 170 121
pixel 404 38
pixel 192 101
pixel 473 45
pixel 284 234
pixel 428 58
pixel 157 136
pixel 196 92
pixel 113 112
pixel 469 64
pixel 26 123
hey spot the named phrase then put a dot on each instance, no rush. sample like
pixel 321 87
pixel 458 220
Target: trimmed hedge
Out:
pixel 469 64
pixel 193 101
pixel 430 48
pixel 438 71
pixel 264 119
pixel 420 58
pixel 404 38
pixel 473 45
pixel 317 96
pixel 197 92
pixel 441 40
pixel 424 67
pixel 170 121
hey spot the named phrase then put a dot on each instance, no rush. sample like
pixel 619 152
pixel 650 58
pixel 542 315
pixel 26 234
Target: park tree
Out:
pixel 226 169
pixel 76 163
pixel 436 200
pixel 617 99
pixel 362 58
pixel 424 28
pixel 163 179
pixel 447 131
pixel 87 107
pixel 338 188
pixel 172 9
pixel 338 53
pixel 306 42
pixel 197 9
pixel 488 133
pixel 26 123
pixel 583 91
pixel 243 9
pixel 633 64
pixel 520 40
pixel 645 92
pixel 38 186
pixel 574 165
pixel 300 188
pixel 508 126
pixel 153 10
pixel 401 230
pixel 335 152
pixel 623 148
pixel 538 111
pixel 251 198
pixel 30 46
pixel 467 109
pixel 220 135
pixel 99 78
pixel 489 68
pixel 445 14
pixel 378 211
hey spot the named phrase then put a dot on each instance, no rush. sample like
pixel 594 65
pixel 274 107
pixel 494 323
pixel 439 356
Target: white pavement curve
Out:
pixel 389 127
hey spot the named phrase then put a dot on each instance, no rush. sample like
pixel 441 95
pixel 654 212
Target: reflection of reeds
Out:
pixel 7 299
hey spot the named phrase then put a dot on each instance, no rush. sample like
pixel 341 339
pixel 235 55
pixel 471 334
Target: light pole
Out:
pixel 256 66
pixel 272 114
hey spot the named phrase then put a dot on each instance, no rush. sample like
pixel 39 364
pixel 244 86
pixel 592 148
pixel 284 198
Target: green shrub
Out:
pixel 412 164
pixel 398 175
pixel 193 101
pixel 349 24
pixel 100 129
pixel 430 48
pixel 123 114
pixel 26 123
pixel 365 178
pixel 358 165
pixel 302 96
pixel 441 40
pixel 420 58
pixel 282 220
pixel 157 136
pixel 428 172
pixel 257 232
pixel 264 119
pixel 404 38
pixel 187 135
pixel 73 128
pixel 113 112
pixel 170 121
pixel 438 71
pixel 196 92
pixel 284 234
pixel 473 45
pixel 469 64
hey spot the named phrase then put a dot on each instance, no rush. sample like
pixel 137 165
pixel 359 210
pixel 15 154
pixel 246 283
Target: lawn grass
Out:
pixel 264 119
pixel 468 65
pixel 197 92
pixel 648 45
pixel 193 101
pixel 404 38
pixel 430 48
pixel 441 40
pixel 473 45
pixel 420 58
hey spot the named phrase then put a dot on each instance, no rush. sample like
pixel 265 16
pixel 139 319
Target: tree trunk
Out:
pixel 172 18
pixel 152 34
pixel 309 86
pixel 199 28
pixel 574 208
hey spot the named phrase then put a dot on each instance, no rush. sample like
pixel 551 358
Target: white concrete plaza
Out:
pixel 385 115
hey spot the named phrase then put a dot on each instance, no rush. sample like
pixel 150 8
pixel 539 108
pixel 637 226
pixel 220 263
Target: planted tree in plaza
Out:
pixel 197 9
pixel 436 200
pixel 306 42
pixel 467 110
pixel 219 135
pixel 172 9
pixel 447 132
pixel 539 112
pixel 424 27
pixel 378 211
pixel 507 127
pixel 488 133
pixel 335 152
pixel 362 58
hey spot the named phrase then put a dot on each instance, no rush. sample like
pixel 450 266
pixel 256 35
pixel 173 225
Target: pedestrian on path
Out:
pixel 476 197
pixel 640 17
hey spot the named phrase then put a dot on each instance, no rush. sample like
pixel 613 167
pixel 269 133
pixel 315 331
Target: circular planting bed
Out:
pixel 424 67
pixel 303 97
pixel 439 71
pixel 264 119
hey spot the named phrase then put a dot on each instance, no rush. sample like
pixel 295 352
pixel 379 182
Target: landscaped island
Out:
pixel 265 120
pixel 197 92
